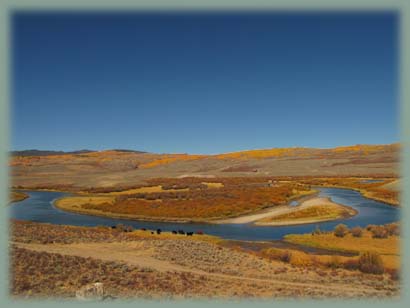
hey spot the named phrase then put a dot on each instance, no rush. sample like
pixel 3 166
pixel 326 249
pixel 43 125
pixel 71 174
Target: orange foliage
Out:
pixel 170 159
pixel 238 196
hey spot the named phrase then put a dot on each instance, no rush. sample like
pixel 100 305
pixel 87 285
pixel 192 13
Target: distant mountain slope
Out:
pixel 45 152
pixel 127 167
pixel 48 153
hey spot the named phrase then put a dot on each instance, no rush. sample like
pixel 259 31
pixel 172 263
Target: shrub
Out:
pixel 371 262
pixel 334 262
pixel 341 230
pixel 286 256
pixel 317 231
pixel 351 264
pixel 370 227
pixel 277 254
pixel 392 229
pixel 394 274
pixel 379 232
pixel 120 227
pixel 356 232
pixel 128 229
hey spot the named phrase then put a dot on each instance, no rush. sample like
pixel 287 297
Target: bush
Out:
pixel 128 229
pixel 277 254
pixel 334 262
pixel 341 230
pixel 370 227
pixel 286 256
pixel 392 229
pixel 371 262
pixel 394 274
pixel 379 232
pixel 351 264
pixel 317 231
pixel 120 227
pixel 356 232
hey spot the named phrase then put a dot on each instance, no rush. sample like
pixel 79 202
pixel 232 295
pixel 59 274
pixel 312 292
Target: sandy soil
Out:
pixel 279 210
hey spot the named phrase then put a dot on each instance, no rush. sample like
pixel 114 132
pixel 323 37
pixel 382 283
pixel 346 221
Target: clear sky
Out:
pixel 203 83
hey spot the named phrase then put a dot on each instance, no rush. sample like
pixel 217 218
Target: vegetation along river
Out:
pixel 39 208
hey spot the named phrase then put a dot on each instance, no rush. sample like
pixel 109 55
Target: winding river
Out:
pixel 39 208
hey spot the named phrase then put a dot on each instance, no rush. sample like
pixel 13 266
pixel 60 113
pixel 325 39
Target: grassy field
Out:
pixel 388 248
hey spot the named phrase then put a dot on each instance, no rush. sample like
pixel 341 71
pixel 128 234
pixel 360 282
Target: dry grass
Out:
pixel 388 248
pixel 187 199
pixel 320 212
pixel 16 196
pixel 213 184
pixel 145 190
pixel 187 267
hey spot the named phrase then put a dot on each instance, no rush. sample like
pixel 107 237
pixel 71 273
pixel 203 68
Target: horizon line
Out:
pixel 210 154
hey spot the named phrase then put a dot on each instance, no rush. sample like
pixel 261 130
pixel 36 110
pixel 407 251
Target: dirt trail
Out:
pixel 136 254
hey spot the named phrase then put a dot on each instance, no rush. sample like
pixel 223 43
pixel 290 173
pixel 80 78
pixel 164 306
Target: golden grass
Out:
pixel 318 212
pixel 213 184
pixel 16 196
pixel 144 190
pixel 169 235
pixel 73 202
pixel 170 159
pixel 388 248
pixel 300 258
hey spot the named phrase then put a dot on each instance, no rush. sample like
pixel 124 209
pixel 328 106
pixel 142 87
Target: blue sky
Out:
pixel 203 83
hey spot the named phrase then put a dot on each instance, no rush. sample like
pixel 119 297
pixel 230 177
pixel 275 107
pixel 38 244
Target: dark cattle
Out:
pixel 199 232
pixel 152 232
pixel 189 233
pixel 113 227
pixel 143 229
pixel 174 232
pixel 158 231
pixel 181 232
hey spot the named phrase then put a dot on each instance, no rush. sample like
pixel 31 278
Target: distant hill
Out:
pixel 124 168
pixel 48 153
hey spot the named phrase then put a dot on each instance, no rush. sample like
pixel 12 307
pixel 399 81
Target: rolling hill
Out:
pixel 111 168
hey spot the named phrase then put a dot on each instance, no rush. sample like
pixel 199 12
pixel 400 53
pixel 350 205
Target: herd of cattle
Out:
pixel 123 228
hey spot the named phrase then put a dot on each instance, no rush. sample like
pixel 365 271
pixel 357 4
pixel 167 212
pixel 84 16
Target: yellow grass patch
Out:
pixel 169 235
pixel 16 196
pixel 388 248
pixel 213 184
pixel 317 212
pixel 144 190
pixel 170 159
pixel 74 202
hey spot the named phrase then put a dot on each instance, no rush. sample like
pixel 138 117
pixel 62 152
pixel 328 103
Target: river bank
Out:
pixel 313 210
pixel 39 207
pixel 17 196
pixel 74 204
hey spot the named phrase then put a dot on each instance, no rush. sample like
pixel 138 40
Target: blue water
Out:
pixel 39 208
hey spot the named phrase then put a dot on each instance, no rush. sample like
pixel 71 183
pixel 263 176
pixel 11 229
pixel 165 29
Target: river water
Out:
pixel 39 208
